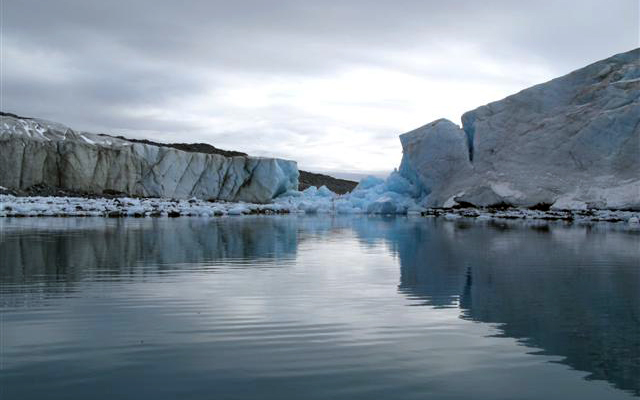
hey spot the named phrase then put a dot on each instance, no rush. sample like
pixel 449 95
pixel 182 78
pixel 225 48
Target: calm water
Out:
pixel 317 308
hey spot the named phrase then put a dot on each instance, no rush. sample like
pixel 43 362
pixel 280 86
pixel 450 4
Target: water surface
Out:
pixel 293 307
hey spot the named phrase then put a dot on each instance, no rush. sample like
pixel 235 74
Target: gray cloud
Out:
pixel 178 71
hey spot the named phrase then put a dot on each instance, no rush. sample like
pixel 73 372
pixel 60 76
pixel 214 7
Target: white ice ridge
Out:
pixel 34 151
pixel 573 142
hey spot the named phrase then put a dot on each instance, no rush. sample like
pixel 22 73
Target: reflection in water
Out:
pixel 53 254
pixel 567 291
pixel 64 248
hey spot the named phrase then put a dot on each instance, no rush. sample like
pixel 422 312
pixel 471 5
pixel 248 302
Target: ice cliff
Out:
pixel 570 143
pixel 34 151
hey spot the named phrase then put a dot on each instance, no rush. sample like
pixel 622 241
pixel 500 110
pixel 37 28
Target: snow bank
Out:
pixel 11 206
pixel 375 196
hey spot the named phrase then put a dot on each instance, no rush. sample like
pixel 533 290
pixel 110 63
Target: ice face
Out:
pixel 395 195
pixel 434 155
pixel 35 151
pixel 369 182
pixel 573 142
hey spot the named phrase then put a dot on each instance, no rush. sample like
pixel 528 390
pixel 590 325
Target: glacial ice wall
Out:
pixel 573 142
pixel 34 151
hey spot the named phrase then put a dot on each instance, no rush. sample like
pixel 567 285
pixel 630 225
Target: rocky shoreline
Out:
pixel 51 206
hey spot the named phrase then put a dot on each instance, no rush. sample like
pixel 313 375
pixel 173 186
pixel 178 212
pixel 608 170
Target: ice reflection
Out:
pixel 570 291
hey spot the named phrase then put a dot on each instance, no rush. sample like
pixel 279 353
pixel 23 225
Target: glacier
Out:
pixel 35 151
pixel 570 143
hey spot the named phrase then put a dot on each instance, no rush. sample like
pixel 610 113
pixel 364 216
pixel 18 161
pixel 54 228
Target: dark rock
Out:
pixel 339 186
pixel 188 147
pixel 111 192
pixel 500 206
pixel 6 114
pixel 541 207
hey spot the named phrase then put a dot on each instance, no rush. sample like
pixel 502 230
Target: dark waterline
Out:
pixel 317 308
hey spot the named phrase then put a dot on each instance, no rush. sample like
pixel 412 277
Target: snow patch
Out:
pixel 568 203
pixel 86 139
pixel 450 202
pixel 504 189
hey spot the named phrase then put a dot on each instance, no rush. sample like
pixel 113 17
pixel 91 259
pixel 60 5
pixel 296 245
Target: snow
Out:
pixel 376 199
pixel 568 203
pixel 86 139
pixel 239 210
pixel 503 189
pixel 450 202
pixel 12 206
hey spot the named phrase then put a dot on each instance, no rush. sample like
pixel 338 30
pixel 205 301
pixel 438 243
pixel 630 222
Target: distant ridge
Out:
pixel 340 186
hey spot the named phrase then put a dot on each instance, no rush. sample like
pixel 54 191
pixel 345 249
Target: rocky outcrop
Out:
pixel 336 185
pixel 573 142
pixel 34 151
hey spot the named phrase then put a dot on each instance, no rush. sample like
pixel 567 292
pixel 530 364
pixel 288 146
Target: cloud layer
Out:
pixel 330 84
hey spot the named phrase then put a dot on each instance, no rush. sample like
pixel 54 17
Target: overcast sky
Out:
pixel 328 83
